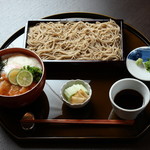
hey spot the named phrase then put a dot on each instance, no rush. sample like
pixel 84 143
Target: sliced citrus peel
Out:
pixel 12 76
pixel 20 77
pixel 24 78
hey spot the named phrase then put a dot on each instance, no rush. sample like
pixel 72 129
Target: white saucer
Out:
pixel 138 72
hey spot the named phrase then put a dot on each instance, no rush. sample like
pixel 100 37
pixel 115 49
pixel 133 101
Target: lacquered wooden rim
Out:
pixel 74 15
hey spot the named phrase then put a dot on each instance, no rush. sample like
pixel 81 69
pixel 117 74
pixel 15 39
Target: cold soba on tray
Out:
pixel 75 40
pixel 19 73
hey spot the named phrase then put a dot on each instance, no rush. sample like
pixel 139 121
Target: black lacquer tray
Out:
pixel 100 76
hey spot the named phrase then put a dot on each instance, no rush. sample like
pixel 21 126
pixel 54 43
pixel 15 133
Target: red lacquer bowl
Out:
pixel 31 95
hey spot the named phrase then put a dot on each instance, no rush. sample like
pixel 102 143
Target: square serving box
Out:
pixel 78 64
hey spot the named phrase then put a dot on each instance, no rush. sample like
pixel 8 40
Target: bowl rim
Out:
pixel 123 80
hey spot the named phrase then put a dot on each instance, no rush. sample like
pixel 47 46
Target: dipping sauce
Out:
pixel 129 99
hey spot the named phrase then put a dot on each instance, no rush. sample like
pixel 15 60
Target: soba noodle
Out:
pixel 76 41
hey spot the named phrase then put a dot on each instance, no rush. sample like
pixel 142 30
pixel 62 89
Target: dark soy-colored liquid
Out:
pixel 129 99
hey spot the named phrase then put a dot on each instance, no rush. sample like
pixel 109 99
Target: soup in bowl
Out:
pixel 22 77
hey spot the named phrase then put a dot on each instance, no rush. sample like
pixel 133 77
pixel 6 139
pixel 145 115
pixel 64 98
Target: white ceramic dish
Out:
pixel 70 83
pixel 139 72
pixel 129 83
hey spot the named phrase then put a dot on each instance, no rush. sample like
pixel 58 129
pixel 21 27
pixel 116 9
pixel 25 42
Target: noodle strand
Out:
pixel 76 41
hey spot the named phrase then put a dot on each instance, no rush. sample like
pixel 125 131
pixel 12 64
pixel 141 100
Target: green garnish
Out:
pixel 36 72
pixel 139 61
pixel 2 64
pixel 147 65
